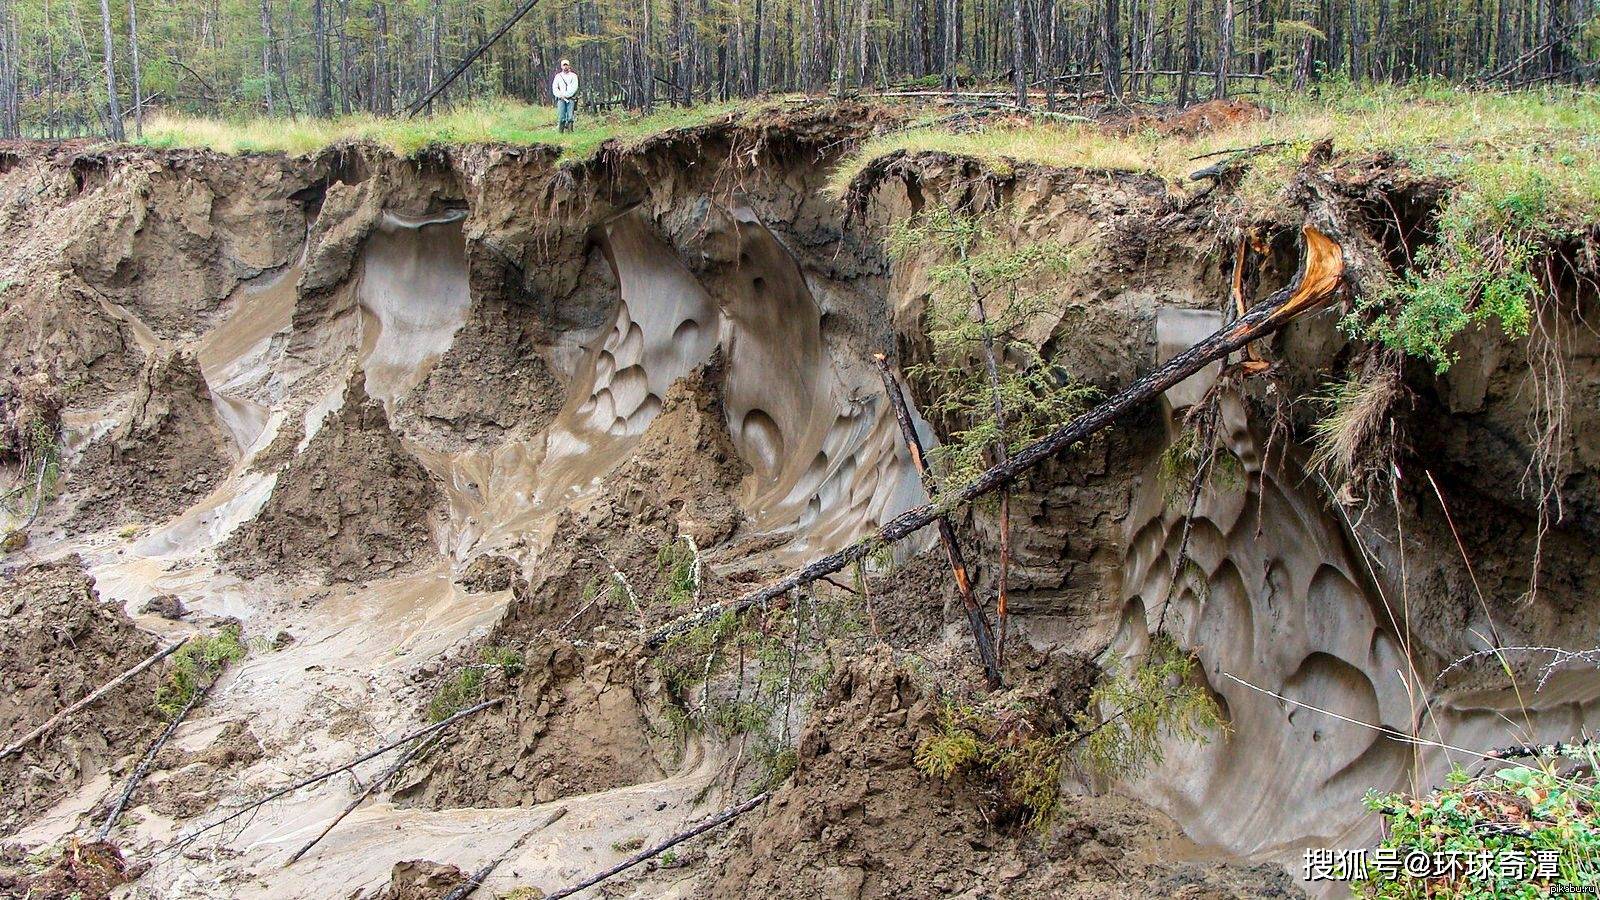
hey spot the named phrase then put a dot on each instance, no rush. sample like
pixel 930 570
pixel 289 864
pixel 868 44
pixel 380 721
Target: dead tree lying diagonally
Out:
pixel 1321 272
pixel 74 709
pixel 947 535
pixel 143 768
pixel 726 815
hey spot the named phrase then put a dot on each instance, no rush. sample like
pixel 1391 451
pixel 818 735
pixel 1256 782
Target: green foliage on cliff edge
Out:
pixel 975 266
pixel 1496 234
pixel 1513 817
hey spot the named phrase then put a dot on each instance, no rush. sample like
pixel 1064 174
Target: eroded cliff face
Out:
pixel 402 409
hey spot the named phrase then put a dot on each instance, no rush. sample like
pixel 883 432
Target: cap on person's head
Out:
pixel 566 62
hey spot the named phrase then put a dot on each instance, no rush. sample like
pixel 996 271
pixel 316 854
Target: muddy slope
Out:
pixel 430 414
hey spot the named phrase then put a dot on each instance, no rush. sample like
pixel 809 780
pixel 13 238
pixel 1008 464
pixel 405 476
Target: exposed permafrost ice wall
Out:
pixel 806 416
pixel 809 417
pixel 1276 594
pixel 413 296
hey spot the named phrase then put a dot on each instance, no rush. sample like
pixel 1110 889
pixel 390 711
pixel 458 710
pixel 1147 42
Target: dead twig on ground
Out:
pixel 465 888
pixel 718 819
pixel 435 728
pixel 149 759
pixel 372 787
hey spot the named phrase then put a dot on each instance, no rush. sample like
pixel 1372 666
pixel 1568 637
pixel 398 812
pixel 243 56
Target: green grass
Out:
pixel 1443 131
pixel 491 122
pixel 1515 813
pixel 194 666
pixel 466 686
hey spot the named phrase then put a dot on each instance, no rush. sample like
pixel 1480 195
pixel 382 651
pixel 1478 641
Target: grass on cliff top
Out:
pixel 496 121
pixel 1475 137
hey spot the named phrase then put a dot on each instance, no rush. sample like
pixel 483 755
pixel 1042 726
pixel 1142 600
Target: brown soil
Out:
pixel 857 820
pixel 685 471
pixel 354 505
pixel 166 455
pixel 61 644
pixel 186 783
pixel 422 879
pixel 85 870
pixel 574 722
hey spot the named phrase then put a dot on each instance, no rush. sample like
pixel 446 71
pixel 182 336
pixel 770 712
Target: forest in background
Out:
pixel 75 67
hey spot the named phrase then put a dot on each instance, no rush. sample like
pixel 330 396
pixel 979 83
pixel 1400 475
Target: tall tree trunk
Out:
pixel 113 107
pixel 266 56
pixel 319 34
pixel 813 63
pixel 382 87
pixel 1190 61
pixel 757 30
pixel 1111 50
pixel 949 45
pixel 1019 65
pixel 861 44
pixel 133 48
pixel 9 51
pixel 1044 48
pixel 1224 46
pixel 345 65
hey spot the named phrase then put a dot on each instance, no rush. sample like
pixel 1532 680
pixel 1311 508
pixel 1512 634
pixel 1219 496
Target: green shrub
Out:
pixel 1480 269
pixel 1035 392
pixel 1547 821
pixel 465 687
pixel 675 569
pixel 1159 696
pixel 1024 749
pixel 1021 749
pixel 194 665
pixel 1193 448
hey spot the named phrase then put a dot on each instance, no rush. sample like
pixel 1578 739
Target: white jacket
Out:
pixel 565 85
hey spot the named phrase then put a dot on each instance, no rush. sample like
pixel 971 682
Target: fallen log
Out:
pixel 976 621
pixel 718 819
pixel 143 768
pixel 101 691
pixel 1321 272
pixel 465 888
pixel 372 787
pixel 314 779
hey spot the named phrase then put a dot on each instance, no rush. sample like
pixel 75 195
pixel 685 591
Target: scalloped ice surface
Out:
pixel 825 467
pixel 1290 606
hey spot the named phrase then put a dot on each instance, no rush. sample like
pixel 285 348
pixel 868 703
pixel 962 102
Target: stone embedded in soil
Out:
pixel 422 879
pixel 167 606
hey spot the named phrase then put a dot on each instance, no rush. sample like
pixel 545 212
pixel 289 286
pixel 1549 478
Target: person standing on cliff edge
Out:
pixel 565 89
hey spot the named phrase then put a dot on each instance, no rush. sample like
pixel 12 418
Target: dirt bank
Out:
pixel 470 424
pixel 62 642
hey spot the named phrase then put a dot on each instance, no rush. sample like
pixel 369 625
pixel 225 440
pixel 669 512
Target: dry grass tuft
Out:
pixel 1355 441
